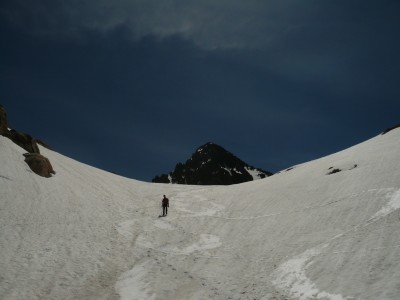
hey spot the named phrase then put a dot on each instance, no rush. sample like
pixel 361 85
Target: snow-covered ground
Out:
pixel 300 234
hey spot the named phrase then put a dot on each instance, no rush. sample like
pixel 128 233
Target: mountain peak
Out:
pixel 211 164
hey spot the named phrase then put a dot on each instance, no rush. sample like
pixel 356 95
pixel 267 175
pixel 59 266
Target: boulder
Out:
pixel 39 164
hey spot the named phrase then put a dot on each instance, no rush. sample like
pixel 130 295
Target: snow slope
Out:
pixel 300 234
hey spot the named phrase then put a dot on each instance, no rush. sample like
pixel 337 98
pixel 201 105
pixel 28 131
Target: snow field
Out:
pixel 300 234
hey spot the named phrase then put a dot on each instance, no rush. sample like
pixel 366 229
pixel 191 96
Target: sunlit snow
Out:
pixel 300 234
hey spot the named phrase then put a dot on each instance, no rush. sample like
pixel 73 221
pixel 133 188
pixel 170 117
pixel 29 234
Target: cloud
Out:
pixel 208 23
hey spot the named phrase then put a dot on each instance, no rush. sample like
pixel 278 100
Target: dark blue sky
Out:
pixel 134 87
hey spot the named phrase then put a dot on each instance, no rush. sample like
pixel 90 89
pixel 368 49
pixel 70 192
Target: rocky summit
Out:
pixel 211 164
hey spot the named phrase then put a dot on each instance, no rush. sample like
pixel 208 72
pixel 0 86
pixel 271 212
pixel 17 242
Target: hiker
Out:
pixel 165 205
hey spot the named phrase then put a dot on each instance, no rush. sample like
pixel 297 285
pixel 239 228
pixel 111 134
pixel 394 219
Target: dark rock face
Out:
pixel 390 129
pixel 211 164
pixel 162 179
pixel 23 140
pixel 3 121
pixel 39 164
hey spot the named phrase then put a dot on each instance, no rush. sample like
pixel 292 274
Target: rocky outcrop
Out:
pixel 3 121
pixel 211 164
pixel 391 128
pixel 39 164
pixel 23 140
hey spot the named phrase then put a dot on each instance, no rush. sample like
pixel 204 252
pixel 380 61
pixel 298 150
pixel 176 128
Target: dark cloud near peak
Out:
pixel 209 24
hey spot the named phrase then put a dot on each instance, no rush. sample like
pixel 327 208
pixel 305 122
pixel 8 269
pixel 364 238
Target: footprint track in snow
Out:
pixel 206 242
pixel 291 275
pixel 193 205
pixel 203 244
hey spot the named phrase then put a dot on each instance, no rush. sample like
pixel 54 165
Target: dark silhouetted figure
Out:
pixel 165 205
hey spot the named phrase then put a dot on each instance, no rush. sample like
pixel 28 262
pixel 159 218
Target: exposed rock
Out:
pixel 162 179
pixel 3 121
pixel 344 167
pixel 41 143
pixel 23 140
pixel 333 171
pixel 211 164
pixel 390 129
pixel 39 164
